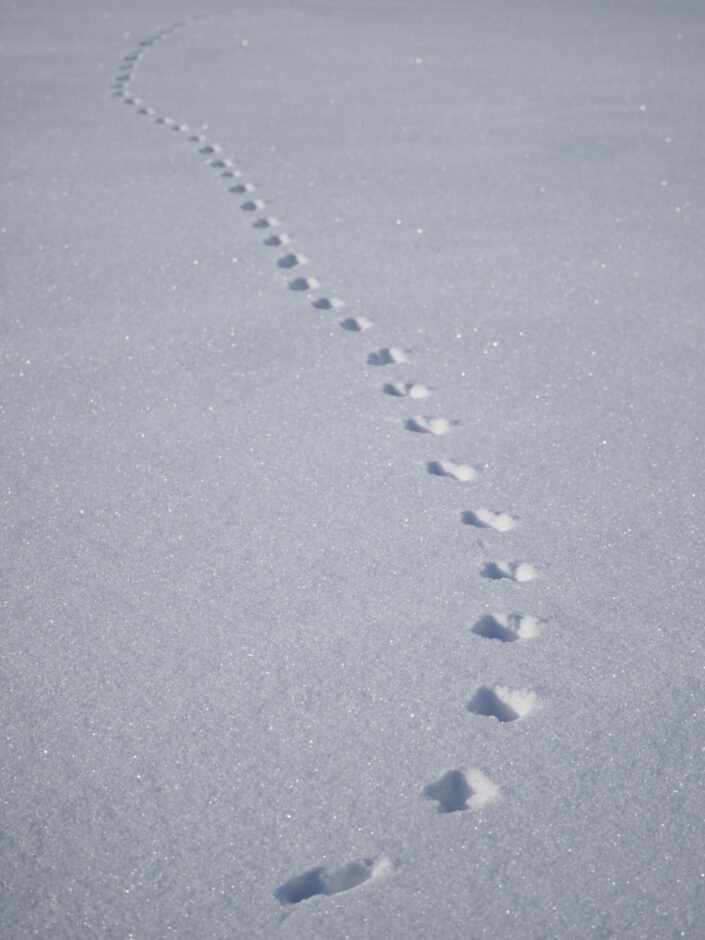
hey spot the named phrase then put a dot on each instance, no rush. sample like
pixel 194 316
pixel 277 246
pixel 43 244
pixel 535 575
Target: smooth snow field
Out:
pixel 353 396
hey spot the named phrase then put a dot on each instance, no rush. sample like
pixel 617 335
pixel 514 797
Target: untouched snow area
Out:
pixel 352 420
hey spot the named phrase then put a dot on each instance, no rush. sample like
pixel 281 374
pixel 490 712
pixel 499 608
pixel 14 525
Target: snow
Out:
pixel 274 663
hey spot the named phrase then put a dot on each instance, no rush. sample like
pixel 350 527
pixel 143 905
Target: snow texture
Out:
pixel 270 664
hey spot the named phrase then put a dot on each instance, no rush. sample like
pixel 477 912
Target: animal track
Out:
pixel 321 881
pixel 487 519
pixel 386 356
pixel 407 390
pixel 508 629
pixel 457 790
pixel 460 790
pixel 421 425
pixel 512 570
pixel 356 324
pixel 502 703
pixel 292 261
pixel 458 471
pixel 304 283
pixel 328 303
pixel 275 241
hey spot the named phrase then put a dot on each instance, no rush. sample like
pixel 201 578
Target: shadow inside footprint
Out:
pixel 302 887
pixel 452 792
pixel 493 571
pixel 493 629
pixel 328 303
pixel 487 702
pixel 321 881
pixel 303 283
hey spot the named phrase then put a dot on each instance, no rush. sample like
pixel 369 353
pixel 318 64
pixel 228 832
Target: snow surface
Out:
pixel 272 663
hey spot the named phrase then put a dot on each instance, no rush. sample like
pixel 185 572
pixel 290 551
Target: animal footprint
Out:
pixel 508 629
pixel 438 426
pixel 502 703
pixel 513 570
pixel 460 790
pixel 356 324
pixel 243 188
pixel 275 241
pixel 458 471
pixel 386 356
pixel 292 261
pixel 270 222
pixel 487 519
pixel 321 881
pixel 407 390
pixel 304 283
pixel 328 303
pixel 253 205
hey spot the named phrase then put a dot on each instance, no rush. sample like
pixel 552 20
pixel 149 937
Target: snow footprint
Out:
pixel 425 425
pixel 356 324
pixel 457 471
pixel 292 260
pixel 407 390
pixel 277 241
pixel 507 628
pixel 322 881
pixel 460 790
pixel 518 571
pixel 502 703
pixel 328 303
pixel 386 356
pixel 304 283
pixel 488 519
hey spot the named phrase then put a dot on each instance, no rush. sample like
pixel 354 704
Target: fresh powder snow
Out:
pixel 352 420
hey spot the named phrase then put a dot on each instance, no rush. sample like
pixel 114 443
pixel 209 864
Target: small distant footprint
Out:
pixel 422 425
pixel 407 390
pixel 253 205
pixel 458 471
pixel 276 241
pixel 487 519
pixel 328 303
pixel 292 261
pixel 243 188
pixel 502 703
pixel 356 324
pixel 460 790
pixel 322 881
pixel 304 283
pixel 513 570
pixel 270 222
pixel 386 356
pixel 507 628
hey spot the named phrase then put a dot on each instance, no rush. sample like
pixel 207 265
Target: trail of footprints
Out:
pixel 460 789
